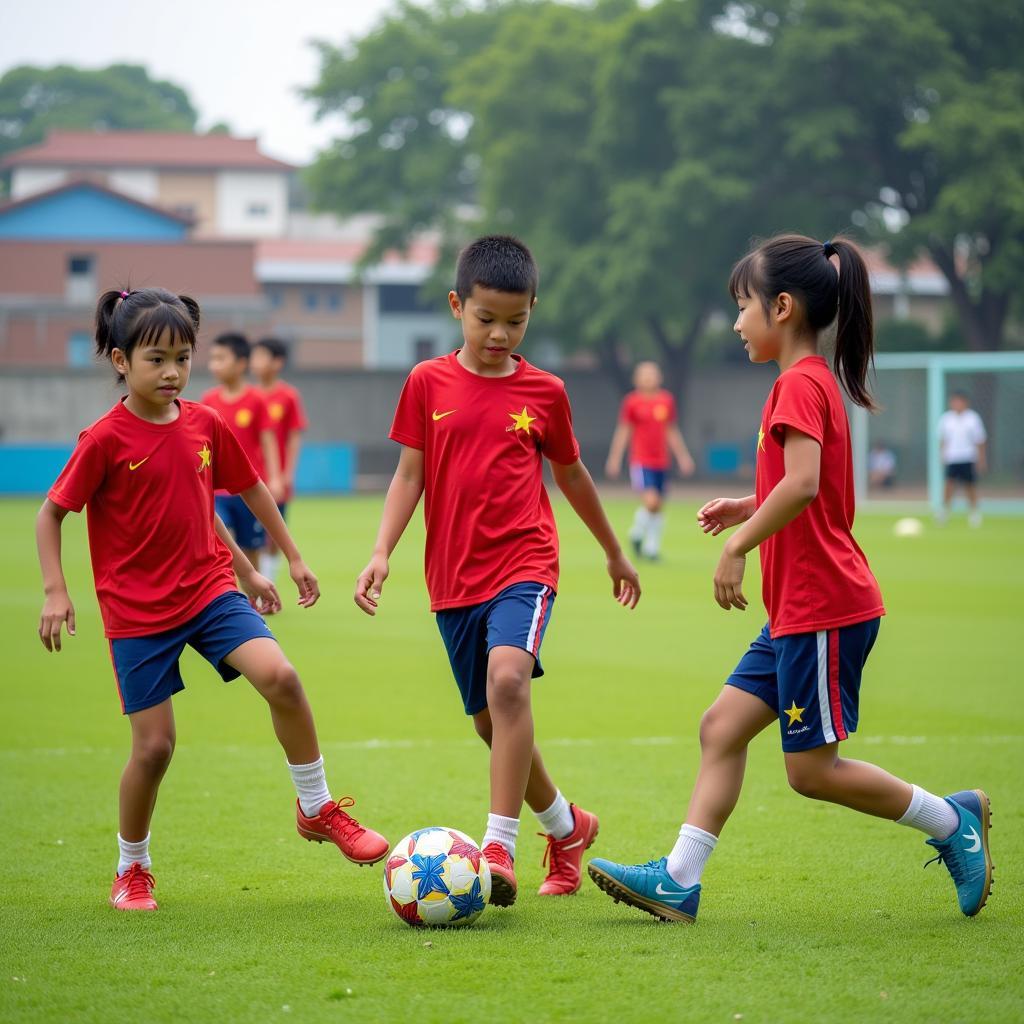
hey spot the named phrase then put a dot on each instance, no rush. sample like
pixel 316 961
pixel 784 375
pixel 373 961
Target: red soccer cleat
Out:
pixel 503 876
pixel 564 857
pixel 133 890
pixel 332 825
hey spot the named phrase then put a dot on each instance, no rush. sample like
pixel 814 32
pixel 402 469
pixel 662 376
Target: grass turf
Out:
pixel 810 912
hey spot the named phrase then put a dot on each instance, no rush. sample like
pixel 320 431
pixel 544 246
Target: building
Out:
pixel 224 185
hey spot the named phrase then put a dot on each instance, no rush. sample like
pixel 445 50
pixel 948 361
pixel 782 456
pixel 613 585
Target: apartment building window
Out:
pixel 423 348
pixel 80 281
pixel 335 300
pixel 275 298
pixel 258 210
pixel 311 300
pixel 79 349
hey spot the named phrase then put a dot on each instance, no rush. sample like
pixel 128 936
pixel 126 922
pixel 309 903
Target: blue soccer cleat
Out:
pixel 648 887
pixel 965 852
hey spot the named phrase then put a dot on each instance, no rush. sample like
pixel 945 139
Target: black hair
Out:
pixel 238 343
pixel 803 268
pixel 960 393
pixel 499 262
pixel 126 319
pixel 275 346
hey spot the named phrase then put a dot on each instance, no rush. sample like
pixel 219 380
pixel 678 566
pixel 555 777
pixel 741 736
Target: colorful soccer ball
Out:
pixel 437 876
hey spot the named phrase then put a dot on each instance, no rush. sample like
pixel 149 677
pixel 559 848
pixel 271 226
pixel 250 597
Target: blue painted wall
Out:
pixel 88 213
pixel 30 469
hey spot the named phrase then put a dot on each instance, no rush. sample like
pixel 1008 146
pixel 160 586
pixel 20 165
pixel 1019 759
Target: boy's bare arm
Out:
pixel 57 607
pixel 263 506
pixel 620 439
pixel 678 445
pixel 256 587
pixel 402 498
pixel 575 482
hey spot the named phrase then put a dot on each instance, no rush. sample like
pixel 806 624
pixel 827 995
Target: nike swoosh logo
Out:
pixel 669 892
pixel 135 465
pixel 441 415
pixel 976 845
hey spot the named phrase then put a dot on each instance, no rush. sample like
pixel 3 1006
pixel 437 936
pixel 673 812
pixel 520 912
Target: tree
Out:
pixel 34 100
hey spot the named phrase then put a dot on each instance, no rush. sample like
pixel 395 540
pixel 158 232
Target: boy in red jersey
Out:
pixel 288 419
pixel 474 427
pixel 165 570
pixel 245 412
pixel 647 421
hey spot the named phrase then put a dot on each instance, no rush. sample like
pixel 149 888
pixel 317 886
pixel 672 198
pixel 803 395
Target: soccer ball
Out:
pixel 908 527
pixel 437 876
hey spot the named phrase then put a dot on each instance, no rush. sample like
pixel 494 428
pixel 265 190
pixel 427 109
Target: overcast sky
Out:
pixel 241 62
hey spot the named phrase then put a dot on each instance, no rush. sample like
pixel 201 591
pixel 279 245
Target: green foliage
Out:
pixel 34 100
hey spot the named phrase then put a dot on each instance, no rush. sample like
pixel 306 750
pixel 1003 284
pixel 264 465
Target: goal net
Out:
pixel 896 451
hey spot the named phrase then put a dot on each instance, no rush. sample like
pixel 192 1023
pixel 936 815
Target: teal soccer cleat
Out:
pixel 965 852
pixel 648 887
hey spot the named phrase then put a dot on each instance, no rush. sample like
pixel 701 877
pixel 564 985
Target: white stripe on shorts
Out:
pixel 536 621
pixel 824 704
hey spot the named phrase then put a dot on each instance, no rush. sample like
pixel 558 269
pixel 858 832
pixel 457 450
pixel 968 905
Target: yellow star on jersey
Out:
pixel 205 455
pixel 795 713
pixel 760 439
pixel 522 420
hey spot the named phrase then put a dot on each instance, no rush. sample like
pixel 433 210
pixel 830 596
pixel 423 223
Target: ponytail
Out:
pixel 804 268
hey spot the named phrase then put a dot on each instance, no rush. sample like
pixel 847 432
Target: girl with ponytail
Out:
pixel 165 569
pixel 804 668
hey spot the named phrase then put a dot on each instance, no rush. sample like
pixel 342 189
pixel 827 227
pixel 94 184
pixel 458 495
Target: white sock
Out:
pixel 652 538
pixel 269 564
pixel 930 814
pixel 557 820
pixel 641 518
pixel 132 853
pixel 690 854
pixel 311 786
pixel 502 830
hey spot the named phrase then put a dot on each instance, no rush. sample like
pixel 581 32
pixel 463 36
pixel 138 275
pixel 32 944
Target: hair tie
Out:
pixel 828 249
pixel 124 295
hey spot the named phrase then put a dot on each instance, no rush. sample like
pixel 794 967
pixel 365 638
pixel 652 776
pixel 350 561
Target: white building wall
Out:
pixel 397 334
pixel 137 182
pixel 252 204
pixel 28 181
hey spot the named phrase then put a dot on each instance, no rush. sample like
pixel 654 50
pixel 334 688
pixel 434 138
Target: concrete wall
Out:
pixel 723 407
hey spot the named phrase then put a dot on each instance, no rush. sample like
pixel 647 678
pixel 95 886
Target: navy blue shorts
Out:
pixel 810 680
pixel 146 667
pixel 517 617
pixel 962 472
pixel 247 529
pixel 644 478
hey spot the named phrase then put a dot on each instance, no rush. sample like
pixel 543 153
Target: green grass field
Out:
pixel 810 912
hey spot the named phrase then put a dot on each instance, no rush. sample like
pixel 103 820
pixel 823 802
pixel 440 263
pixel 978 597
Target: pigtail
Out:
pixel 105 309
pixel 855 334
pixel 193 309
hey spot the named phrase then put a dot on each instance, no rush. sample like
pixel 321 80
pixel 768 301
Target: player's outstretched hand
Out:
pixel 729 580
pixel 262 593
pixel 687 466
pixel 625 581
pixel 57 611
pixel 611 469
pixel 306 583
pixel 370 583
pixel 721 513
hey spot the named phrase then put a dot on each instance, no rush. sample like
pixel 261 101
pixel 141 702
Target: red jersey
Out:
pixel 247 416
pixel 488 517
pixel 815 576
pixel 148 492
pixel 284 406
pixel 650 414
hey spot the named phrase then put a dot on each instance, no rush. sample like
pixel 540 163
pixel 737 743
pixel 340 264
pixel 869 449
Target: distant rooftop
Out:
pixel 145 149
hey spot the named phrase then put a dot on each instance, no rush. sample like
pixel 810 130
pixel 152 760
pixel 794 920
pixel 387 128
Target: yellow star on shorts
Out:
pixel 522 420
pixel 795 713
pixel 205 455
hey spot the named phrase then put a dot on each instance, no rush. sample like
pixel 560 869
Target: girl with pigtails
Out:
pixel 824 606
pixel 165 572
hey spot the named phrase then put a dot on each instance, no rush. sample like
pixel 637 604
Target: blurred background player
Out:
pixel 288 419
pixel 647 422
pixel 962 441
pixel 881 465
pixel 245 412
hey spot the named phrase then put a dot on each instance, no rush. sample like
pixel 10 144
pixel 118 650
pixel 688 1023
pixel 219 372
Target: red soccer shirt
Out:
pixel 148 492
pixel 650 414
pixel 489 520
pixel 815 577
pixel 247 416
pixel 284 406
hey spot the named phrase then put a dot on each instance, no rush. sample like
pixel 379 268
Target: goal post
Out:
pixel 912 389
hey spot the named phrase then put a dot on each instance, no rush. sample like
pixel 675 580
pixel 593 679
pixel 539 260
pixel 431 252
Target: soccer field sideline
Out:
pixel 253 921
